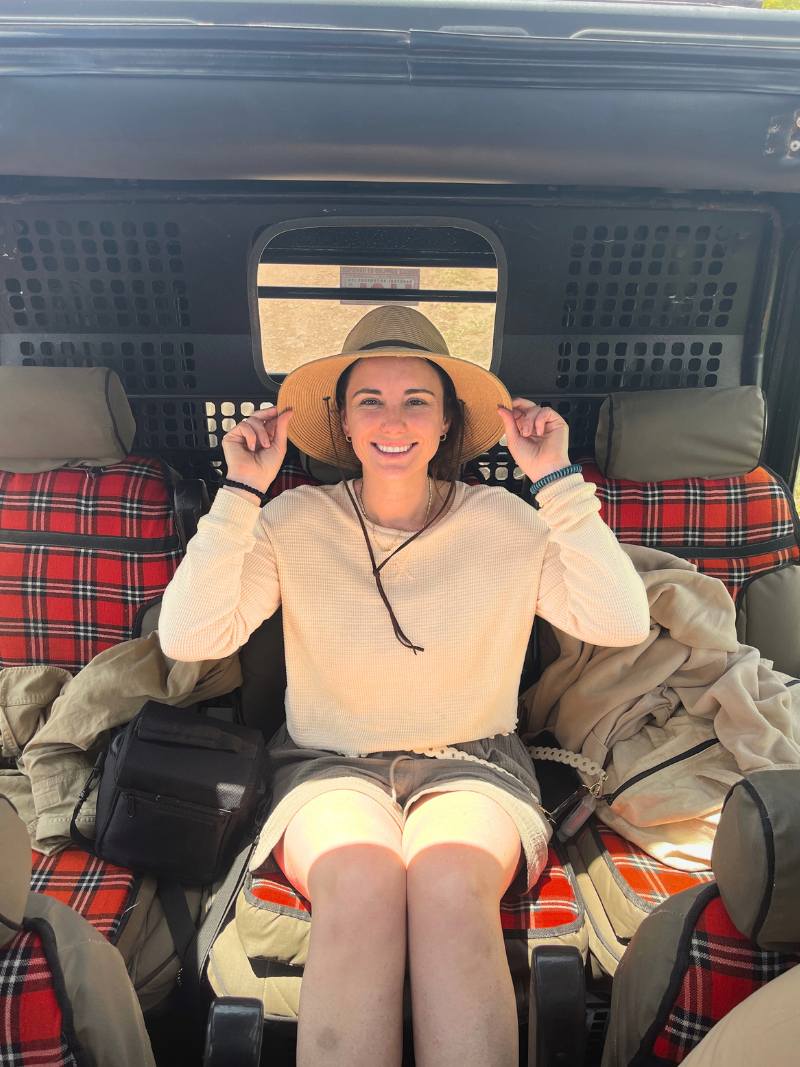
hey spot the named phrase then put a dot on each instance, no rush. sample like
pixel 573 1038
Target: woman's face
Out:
pixel 394 412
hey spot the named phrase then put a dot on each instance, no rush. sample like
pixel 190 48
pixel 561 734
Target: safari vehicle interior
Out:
pixel 600 202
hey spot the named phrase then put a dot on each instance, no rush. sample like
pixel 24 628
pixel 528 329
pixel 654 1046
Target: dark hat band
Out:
pixel 393 344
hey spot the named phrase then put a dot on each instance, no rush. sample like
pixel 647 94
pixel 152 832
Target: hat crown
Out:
pixel 392 327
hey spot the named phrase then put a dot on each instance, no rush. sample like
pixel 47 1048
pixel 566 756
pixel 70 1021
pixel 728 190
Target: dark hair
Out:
pixel 446 464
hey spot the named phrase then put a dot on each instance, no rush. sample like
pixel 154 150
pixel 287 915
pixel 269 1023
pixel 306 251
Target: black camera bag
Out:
pixel 179 794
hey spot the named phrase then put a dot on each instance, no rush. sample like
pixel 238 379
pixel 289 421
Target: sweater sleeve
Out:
pixel 225 586
pixel 588 585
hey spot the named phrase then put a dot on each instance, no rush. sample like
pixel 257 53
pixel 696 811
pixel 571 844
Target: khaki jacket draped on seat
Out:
pixel 53 723
pixel 676 719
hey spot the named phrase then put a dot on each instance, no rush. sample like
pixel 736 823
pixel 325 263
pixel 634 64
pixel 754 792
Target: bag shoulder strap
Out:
pixel 94 777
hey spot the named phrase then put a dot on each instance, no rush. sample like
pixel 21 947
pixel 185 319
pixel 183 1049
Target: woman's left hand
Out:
pixel 537 437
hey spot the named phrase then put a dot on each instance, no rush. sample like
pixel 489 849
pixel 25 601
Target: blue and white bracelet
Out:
pixel 553 476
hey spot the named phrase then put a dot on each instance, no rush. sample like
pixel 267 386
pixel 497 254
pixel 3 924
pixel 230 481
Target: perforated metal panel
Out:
pixel 596 298
pixel 106 274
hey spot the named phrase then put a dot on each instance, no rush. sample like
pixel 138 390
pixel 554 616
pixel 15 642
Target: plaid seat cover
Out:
pixel 62 603
pixel 720 968
pixel 643 879
pixel 750 520
pixel 290 476
pixel 741 527
pixel 31 1019
pixel 99 891
pixel 553 905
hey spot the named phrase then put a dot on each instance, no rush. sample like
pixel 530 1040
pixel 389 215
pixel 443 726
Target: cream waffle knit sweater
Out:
pixel 466 590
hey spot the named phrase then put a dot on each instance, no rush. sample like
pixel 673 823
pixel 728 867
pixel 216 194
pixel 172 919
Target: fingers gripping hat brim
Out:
pixel 311 393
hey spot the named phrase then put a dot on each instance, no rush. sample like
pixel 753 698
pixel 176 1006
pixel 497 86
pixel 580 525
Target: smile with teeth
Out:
pixel 393 449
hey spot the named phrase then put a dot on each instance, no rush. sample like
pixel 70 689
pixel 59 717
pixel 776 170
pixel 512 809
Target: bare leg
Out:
pixel 342 851
pixel 461 849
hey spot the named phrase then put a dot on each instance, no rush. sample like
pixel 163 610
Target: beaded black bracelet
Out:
pixel 563 472
pixel 262 497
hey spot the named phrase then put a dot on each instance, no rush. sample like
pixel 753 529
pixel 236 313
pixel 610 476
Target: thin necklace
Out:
pixel 385 548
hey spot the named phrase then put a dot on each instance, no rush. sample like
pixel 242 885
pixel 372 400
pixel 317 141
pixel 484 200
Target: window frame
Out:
pixel 264 237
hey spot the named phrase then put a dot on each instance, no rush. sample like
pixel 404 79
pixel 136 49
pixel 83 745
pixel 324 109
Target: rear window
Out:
pixel 313 285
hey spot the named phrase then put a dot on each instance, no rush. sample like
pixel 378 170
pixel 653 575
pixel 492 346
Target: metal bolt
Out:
pixel 794 146
pixel 797 121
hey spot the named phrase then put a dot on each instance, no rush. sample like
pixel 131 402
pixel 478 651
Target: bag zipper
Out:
pixel 660 767
pixel 164 801
pixel 140 545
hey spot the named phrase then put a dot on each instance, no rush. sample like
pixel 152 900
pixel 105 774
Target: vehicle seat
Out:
pixel 90 535
pixel 702 952
pixel 680 470
pixel 262 953
pixel 65 997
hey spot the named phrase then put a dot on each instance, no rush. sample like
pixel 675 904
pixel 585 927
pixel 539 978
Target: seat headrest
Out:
pixel 756 858
pixel 62 416
pixel 681 433
pixel 15 872
pixel 324 473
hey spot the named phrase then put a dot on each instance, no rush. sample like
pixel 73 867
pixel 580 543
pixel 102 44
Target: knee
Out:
pixel 454 880
pixel 359 887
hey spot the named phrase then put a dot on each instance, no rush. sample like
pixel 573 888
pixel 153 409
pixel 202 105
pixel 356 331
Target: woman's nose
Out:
pixel 392 417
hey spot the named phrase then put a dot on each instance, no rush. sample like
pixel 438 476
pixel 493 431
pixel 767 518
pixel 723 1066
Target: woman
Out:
pixel 403 801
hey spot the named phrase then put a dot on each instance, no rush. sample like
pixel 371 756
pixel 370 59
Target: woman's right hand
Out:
pixel 255 448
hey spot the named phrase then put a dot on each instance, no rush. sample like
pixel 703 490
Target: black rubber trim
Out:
pixel 790 498
pixel 120 442
pixel 761 574
pixel 725 551
pixel 794 681
pixel 420 296
pixel 141 611
pixel 763 432
pixel 5 921
pixel 50 945
pixel 644 1054
pixel 769 842
pixel 141 545
pixel 610 431
pixel 660 767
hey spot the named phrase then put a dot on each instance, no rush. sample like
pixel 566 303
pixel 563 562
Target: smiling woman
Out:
pixel 447 835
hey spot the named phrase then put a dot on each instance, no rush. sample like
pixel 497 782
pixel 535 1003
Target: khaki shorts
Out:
pixel 397 779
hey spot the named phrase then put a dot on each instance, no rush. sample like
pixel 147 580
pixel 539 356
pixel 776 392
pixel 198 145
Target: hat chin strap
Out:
pixel 376 567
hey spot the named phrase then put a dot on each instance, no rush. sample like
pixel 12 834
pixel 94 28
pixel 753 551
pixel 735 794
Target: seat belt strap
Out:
pixel 193 944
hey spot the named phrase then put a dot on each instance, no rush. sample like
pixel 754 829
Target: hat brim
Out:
pixel 315 427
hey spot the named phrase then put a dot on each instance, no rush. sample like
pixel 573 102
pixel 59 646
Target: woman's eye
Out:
pixel 368 400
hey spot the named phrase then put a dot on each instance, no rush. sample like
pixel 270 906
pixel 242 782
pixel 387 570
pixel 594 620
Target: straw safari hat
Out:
pixel 392 330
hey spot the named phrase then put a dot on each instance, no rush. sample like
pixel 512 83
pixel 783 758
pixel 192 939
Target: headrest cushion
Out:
pixel 15 870
pixel 681 433
pixel 324 473
pixel 756 858
pixel 57 416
